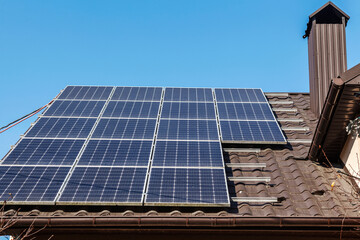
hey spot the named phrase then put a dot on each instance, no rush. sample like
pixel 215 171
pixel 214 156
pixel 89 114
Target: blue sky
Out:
pixel 46 45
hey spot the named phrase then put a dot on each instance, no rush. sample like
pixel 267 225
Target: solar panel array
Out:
pixel 134 146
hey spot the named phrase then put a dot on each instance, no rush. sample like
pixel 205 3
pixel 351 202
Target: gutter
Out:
pixel 327 113
pixel 188 222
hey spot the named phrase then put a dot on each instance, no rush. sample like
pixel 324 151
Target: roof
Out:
pixel 302 186
pixel 307 202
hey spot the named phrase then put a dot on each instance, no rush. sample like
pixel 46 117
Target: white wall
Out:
pixel 350 156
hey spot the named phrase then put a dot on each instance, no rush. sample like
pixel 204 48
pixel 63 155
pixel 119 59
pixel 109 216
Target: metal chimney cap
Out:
pixel 328 13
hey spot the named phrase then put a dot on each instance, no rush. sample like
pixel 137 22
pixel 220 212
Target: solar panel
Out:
pixel 137 93
pixel 188 110
pixel 62 128
pixel 75 108
pixel 86 93
pixel 30 184
pixel 110 185
pixel 245 111
pixel 129 109
pixel 188 130
pixel 187 166
pixel 239 95
pixel 187 154
pixel 45 152
pixel 246 117
pixel 261 132
pixel 188 94
pixel 117 153
pixel 125 128
pixel 180 186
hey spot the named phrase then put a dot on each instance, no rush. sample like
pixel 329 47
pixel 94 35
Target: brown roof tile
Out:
pixel 304 184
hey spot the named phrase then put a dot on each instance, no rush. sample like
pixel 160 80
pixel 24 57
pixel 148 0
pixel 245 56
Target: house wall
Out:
pixel 350 156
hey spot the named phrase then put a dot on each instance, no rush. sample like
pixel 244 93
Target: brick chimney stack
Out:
pixel 327 51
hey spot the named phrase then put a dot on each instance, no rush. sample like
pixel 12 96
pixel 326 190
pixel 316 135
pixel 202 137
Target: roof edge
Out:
pixel 350 74
pixel 331 101
pixel 349 77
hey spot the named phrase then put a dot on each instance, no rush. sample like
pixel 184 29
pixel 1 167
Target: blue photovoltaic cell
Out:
pixel 245 111
pixel 137 93
pixel 251 131
pixel 45 152
pixel 105 184
pixel 188 130
pixel 75 108
pixel 239 95
pixel 188 110
pixel 62 128
pixel 188 154
pixel 187 186
pixel 86 93
pixel 36 184
pixel 130 109
pixel 116 153
pixel 188 94
pixel 125 128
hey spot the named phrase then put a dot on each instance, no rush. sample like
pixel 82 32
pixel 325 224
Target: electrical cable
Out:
pixel 17 121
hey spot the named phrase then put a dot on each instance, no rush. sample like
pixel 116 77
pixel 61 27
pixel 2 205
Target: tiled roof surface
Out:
pixel 303 186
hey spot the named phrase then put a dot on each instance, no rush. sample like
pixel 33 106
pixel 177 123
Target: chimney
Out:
pixel 327 51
